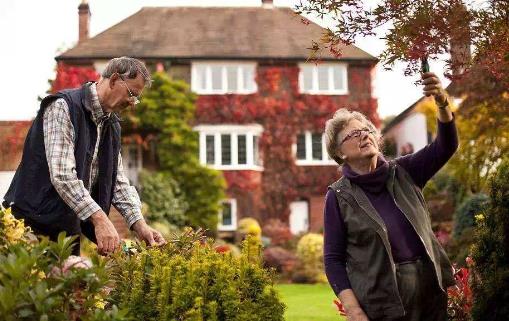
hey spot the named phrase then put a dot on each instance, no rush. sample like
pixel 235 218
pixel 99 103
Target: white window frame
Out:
pixel 309 161
pixel 331 90
pixel 233 130
pixel 241 87
pixel 233 226
pixel 132 173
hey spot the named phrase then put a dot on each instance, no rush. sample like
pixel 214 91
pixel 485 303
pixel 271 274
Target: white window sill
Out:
pixel 327 93
pixel 199 92
pixel 236 167
pixel 230 228
pixel 316 163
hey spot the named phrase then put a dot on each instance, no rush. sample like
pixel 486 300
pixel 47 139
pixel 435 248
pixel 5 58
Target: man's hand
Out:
pixel 432 86
pixel 105 233
pixel 148 234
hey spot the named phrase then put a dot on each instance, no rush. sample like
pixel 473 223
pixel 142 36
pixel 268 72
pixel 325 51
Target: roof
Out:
pixel 209 33
pixel 401 116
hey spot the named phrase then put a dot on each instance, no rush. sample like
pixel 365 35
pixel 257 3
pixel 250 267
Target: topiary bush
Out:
pixel 188 279
pixel 249 226
pixel 464 216
pixel 491 252
pixel 310 254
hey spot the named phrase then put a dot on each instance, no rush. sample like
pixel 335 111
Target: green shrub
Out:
pixel 310 254
pixel 187 279
pixel 464 216
pixel 491 252
pixel 39 280
pixel 161 194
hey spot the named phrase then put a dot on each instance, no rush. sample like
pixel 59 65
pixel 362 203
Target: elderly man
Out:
pixel 71 170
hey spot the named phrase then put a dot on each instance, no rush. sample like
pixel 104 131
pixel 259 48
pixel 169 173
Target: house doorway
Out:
pixel 299 217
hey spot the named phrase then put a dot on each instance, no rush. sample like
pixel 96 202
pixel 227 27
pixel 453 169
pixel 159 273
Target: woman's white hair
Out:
pixel 336 124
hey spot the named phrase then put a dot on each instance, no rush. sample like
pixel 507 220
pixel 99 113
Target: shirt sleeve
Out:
pixel 59 146
pixel 334 245
pixel 125 197
pixel 425 163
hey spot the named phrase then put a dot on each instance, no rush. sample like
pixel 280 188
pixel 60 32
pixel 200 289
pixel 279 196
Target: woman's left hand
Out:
pixel 433 86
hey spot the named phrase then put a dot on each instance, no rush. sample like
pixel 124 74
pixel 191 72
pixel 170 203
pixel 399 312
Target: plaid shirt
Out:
pixel 59 145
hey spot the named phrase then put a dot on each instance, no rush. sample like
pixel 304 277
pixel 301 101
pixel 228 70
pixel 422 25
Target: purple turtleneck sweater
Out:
pixel 405 243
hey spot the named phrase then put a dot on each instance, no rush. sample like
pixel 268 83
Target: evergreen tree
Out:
pixel 491 253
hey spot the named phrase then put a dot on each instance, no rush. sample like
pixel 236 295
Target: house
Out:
pixel 261 105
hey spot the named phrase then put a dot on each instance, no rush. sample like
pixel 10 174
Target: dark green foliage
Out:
pixel 166 113
pixel 464 216
pixel 165 202
pixel 188 280
pixel 491 253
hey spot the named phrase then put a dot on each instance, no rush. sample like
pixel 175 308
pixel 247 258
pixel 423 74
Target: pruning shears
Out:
pixel 424 64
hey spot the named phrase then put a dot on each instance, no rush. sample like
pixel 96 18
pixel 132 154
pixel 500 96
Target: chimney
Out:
pixel 84 21
pixel 268 4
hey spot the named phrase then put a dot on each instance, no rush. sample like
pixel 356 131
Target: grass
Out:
pixel 308 302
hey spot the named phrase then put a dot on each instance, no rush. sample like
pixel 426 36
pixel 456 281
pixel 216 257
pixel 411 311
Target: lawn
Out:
pixel 308 302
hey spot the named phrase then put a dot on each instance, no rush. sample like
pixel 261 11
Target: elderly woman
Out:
pixel 381 256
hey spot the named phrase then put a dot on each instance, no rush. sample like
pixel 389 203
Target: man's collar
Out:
pixel 95 106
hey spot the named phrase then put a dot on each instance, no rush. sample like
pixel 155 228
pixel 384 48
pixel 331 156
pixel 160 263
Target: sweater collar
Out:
pixel 373 182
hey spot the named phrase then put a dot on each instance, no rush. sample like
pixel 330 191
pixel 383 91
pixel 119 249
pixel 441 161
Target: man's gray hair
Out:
pixel 336 124
pixel 129 68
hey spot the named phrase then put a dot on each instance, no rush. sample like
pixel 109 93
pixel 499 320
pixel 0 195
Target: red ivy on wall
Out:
pixel 284 112
pixel 72 76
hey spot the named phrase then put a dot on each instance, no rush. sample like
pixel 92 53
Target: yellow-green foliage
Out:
pixel 310 254
pixel 250 226
pixel 188 280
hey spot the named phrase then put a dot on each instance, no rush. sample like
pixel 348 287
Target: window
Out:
pixel 228 216
pixel 324 79
pixel 223 77
pixel 310 150
pixel 132 162
pixel 230 147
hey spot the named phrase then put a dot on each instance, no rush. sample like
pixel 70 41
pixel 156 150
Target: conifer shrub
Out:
pixel 187 279
pixel 491 252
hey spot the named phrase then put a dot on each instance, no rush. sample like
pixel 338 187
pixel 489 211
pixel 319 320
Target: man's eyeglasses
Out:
pixel 131 95
pixel 357 133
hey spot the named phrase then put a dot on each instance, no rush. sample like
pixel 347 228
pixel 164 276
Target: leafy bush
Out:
pixel 310 254
pixel 278 232
pixel 161 193
pixel 465 213
pixel 280 259
pixel 39 280
pixel 491 252
pixel 188 279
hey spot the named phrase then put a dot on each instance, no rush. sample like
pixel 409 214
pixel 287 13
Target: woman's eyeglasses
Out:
pixel 357 133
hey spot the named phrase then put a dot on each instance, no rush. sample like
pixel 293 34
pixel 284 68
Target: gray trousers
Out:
pixel 422 298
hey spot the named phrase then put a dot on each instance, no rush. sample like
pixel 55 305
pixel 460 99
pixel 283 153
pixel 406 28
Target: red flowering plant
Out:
pixel 72 76
pixel 460 295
